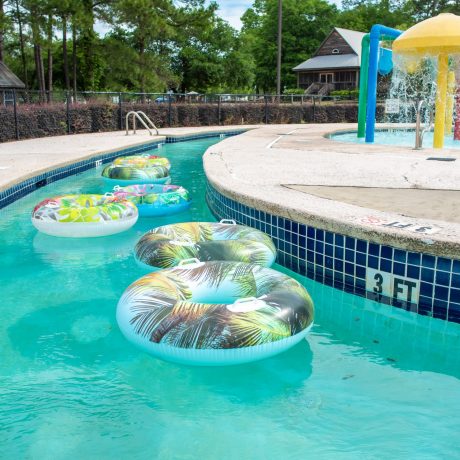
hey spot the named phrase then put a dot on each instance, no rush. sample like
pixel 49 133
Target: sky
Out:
pixel 232 10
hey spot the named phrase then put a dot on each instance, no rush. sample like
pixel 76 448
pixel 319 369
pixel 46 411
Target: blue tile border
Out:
pixel 423 283
pixel 22 189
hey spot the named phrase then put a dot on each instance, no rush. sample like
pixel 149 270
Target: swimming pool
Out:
pixel 397 137
pixel 371 380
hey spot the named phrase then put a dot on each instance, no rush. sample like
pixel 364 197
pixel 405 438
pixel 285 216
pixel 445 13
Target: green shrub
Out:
pixel 350 93
pixel 294 91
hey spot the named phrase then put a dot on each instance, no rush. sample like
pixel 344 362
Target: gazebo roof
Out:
pixel 8 80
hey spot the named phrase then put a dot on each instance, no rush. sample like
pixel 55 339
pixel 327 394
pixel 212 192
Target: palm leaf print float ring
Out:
pixel 165 247
pixel 81 216
pixel 143 160
pixel 131 174
pixel 195 314
pixel 155 199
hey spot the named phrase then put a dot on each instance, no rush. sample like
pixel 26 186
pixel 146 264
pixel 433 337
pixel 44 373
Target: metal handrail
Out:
pixel 148 120
pixel 419 132
pixel 143 118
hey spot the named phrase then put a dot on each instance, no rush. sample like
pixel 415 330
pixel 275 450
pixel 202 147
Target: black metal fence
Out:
pixel 24 101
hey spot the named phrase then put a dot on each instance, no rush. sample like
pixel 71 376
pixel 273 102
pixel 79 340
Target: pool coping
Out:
pixel 320 212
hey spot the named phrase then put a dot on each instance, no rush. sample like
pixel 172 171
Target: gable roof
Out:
pixel 353 38
pixel 8 79
pixel 337 61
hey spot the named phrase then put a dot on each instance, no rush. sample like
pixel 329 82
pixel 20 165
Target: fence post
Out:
pixel 169 110
pixel 15 112
pixel 314 109
pixel 67 106
pixel 266 109
pixel 120 112
pixel 218 110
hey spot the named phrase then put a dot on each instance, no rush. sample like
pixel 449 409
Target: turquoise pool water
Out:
pixel 370 381
pixel 404 138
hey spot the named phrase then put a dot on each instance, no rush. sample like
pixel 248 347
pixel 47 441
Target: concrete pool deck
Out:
pixel 296 172
pixel 21 160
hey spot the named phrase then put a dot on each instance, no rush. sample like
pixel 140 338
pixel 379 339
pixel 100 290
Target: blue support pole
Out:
pixel 377 31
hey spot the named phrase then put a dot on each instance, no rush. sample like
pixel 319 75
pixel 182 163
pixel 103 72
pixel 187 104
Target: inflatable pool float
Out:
pixel 215 313
pixel 81 216
pixel 155 199
pixel 165 247
pixel 132 175
pixel 143 160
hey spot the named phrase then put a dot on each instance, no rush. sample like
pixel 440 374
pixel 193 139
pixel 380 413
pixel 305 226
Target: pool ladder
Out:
pixel 145 121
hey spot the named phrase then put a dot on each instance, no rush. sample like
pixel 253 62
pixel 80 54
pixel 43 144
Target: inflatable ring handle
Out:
pixel 52 204
pixel 227 222
pixel 117 188
pixel 246 304
pixel 190 262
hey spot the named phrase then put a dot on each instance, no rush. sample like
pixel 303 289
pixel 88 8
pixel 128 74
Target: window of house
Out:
pixel 335 51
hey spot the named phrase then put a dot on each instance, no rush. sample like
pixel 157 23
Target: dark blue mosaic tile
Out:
pixel 329 250
pixel 329 238
pixel 338 265
pixel 413 272
pixel 441 293
pixel 386 252
pixel 399 269
pixel 320 235
pixel 373 262
pixel 428 261
pixel 339 240
pixel 350 243
pixel 399 256
pixel 442 278
pixel 360 272
pixel 427 275
pixel 361 246
pixel 374 249
pixel 455 281
pixel 444 264
pixel 385 265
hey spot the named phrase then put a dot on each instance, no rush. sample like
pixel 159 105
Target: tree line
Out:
pixel 178 45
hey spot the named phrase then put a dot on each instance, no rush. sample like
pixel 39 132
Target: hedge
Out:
pixel 51 120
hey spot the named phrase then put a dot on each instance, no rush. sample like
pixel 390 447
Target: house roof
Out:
pixel 8 79
pixel 336 61
pixel 333 61
pixel 353 38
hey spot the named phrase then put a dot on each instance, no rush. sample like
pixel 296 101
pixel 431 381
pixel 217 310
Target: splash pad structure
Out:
pixel 434 42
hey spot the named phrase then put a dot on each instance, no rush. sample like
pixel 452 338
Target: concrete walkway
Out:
pixel 282 170
pixel 24 159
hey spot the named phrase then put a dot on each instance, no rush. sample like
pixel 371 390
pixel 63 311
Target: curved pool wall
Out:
pixel 422 283
pixel 27 186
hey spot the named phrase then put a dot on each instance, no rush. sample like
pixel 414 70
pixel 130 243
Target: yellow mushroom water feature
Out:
pixel 439 38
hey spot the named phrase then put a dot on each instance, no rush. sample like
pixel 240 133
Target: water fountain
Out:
pixel 427 54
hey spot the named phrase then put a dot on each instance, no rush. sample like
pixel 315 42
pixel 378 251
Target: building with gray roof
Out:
pixel 334 66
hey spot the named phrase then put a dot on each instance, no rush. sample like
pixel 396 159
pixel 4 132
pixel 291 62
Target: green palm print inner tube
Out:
pixel 166 246
pixel 143 161
pixel 215 313
pixel 133 174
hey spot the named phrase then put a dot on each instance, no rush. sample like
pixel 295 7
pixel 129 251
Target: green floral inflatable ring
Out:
pixel 84 215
